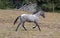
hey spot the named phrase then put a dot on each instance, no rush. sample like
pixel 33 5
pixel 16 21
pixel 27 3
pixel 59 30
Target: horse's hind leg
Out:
pixel 37 25
pixel 24 26
pixel 18 26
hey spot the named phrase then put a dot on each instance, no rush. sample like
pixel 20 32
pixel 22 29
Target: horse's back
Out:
pixel 28 17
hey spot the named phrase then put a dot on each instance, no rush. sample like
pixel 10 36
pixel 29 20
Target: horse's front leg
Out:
pixel 24 26
pixel 37 26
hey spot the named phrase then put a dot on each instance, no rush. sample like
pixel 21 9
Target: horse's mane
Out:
pixel 37 11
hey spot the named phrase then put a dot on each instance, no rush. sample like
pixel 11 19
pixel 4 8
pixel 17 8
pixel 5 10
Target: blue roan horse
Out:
pixel 30 18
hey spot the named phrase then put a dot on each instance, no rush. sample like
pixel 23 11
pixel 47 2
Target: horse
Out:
pixel 29 18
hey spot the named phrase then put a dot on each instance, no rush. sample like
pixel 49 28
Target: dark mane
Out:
pixel 35 12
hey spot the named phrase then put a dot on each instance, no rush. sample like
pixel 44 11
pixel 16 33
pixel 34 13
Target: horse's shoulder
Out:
pixel 23 14
pixel 34 15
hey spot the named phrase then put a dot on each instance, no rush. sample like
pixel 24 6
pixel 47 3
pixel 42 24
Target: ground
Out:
pixel 50 26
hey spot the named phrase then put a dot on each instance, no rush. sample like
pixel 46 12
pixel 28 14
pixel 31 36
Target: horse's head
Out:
pixel 39 13
pixel 42 14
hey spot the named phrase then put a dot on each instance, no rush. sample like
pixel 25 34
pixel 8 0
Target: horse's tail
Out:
pixel 16 19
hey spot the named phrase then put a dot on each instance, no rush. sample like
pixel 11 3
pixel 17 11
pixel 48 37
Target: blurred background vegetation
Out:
pixel 47 5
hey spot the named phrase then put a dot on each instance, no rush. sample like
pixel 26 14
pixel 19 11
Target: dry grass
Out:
pixel 50 26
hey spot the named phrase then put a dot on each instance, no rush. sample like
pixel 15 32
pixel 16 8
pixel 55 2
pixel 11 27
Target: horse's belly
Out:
pixel 30 19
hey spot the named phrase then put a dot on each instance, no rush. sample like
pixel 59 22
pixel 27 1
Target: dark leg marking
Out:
pixel 24 26
pixel 37 26
pixel 18 26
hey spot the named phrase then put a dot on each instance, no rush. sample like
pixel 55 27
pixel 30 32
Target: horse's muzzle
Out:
pixel 43 16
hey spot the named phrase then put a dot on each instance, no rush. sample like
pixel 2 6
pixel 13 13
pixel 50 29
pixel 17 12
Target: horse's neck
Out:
pixel 37 14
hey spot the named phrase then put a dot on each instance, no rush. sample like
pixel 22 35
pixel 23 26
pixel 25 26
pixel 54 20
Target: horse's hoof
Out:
pixel 25 29
pixel 15 30
pixel 39 29
pixel 34 27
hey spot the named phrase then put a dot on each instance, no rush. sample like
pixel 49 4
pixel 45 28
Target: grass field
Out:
pixel 50 26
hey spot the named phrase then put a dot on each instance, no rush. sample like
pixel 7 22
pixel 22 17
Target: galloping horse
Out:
pixel 30 18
